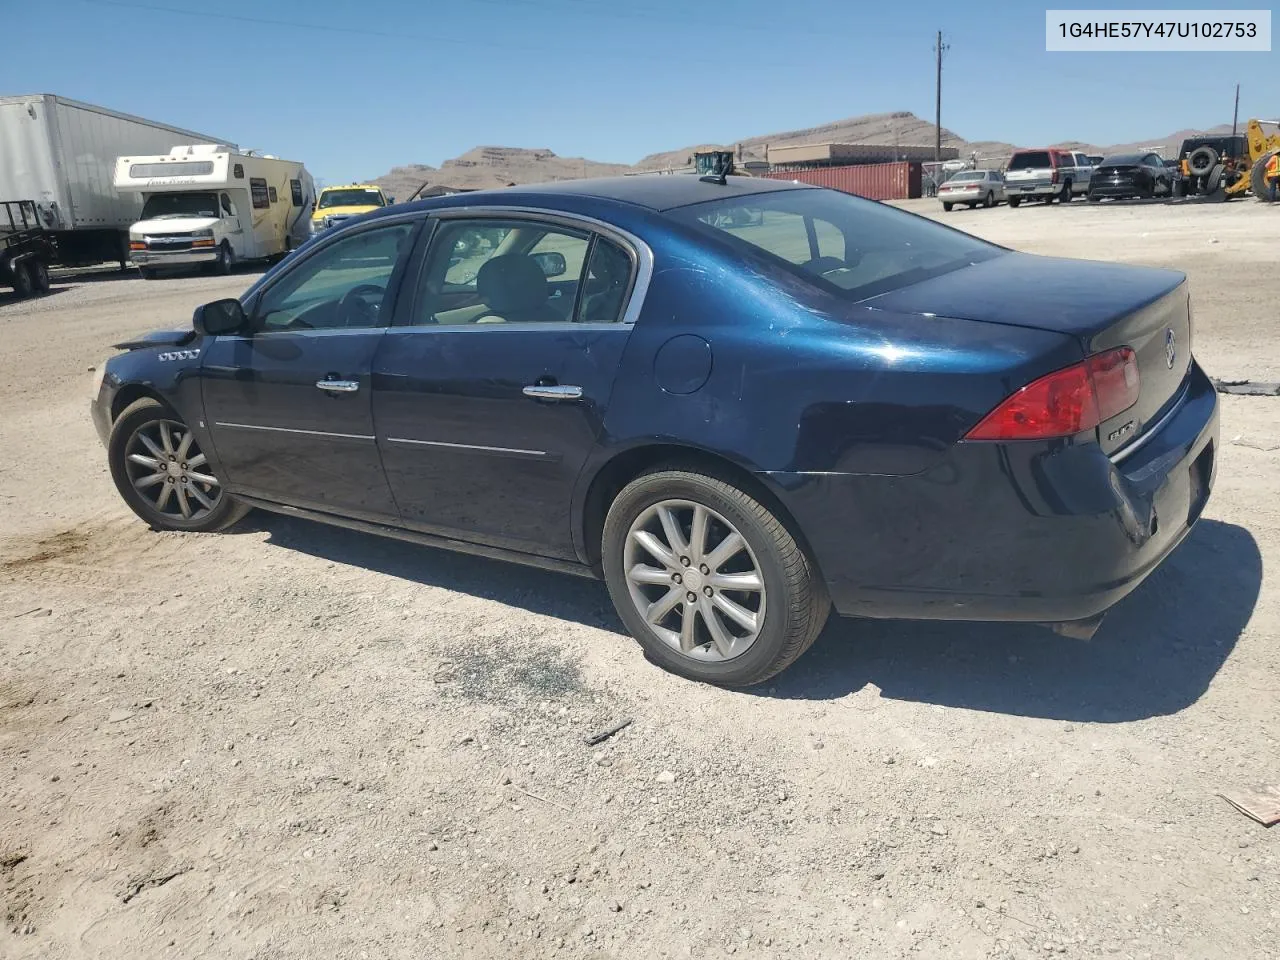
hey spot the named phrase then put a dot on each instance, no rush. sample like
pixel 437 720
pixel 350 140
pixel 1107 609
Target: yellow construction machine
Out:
pixel 1264 176
pixel 1222 167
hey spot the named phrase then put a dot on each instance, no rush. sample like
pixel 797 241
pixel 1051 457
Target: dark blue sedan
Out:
pixel 740 401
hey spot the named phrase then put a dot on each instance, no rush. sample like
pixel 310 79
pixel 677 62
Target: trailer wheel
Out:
pixel 1264 191
pixel 23 284
pixel 39 276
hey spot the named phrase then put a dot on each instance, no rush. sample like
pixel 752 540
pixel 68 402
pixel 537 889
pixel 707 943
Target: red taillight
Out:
pixel 1054 178
pixel 1066 402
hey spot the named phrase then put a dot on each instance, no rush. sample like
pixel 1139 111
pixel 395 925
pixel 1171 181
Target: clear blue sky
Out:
pixel 353 88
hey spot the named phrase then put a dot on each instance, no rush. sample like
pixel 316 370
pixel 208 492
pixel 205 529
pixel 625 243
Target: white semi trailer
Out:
pixel 61 155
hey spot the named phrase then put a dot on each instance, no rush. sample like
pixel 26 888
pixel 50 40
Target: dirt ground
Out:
pixel 292 741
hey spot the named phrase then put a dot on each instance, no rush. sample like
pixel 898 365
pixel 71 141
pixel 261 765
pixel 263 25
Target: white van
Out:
pixel 208 204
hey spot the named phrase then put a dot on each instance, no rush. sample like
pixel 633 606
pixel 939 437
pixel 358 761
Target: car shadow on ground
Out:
pixel 1156 653
pixel 8 297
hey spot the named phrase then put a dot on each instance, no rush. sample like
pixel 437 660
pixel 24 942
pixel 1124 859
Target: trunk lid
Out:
pixel 1102 305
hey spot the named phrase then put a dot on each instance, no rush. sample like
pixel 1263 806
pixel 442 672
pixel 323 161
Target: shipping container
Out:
pixel 61 155
pixel 875 181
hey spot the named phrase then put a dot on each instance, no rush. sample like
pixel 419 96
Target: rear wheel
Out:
pixel 990 200
pixel 1214 180
pixel 163 475
pixel 1014 201
pixel 711 583
pixel 947 206
pixel 1064 195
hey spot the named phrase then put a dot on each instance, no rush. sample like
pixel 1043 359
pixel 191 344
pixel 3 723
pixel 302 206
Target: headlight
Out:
pixel 99 372
pixel 203 233
pixel 319 224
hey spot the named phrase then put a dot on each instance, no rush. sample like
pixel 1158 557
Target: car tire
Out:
pixel 947 207
pixel 1214 179
pixel 1064 195
pixel 1014 201
pixel 226 260
pixel 142 451
pixel 23 283
pixel 732 649
pixel 990 200
pixel 1202 160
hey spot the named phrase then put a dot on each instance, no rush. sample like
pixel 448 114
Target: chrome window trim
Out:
pixel 479 448
pixel 641 250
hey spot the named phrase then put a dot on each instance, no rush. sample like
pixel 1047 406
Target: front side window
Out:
pixel 341 286
pixel 880 248
pixel 502 271
pixel 228 208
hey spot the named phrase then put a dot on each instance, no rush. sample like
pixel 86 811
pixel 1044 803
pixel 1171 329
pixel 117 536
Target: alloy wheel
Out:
pixel 167 469
pixel 694 580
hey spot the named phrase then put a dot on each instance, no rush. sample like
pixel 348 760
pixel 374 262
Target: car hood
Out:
pixel 1075 297
pixel 182 225
pixel 157 338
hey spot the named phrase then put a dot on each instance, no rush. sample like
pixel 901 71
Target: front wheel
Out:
pixel 1014 201
pixel 708 580
pixel 222 266
pixel 163 475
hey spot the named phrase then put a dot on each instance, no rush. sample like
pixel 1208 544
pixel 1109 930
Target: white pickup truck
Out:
pixel 1047 175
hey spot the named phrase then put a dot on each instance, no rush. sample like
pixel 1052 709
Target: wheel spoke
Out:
pixel 199 460
pixel 166 438
pixel 749 582
pixel 727 547
pixel 208 479
pixel 698 533
pixel 641 573
pixel 671 527
pixel 150 480
pixel 151 445
pixel 151 462
pixel 736 612
pixel 185 445
pixel 687 621
pixel 663 605
pixel 165 493
pixel 655 548
pixel 183 504
pixel 719 635
pixel 196 492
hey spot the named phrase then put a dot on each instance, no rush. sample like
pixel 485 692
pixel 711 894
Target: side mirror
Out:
pixel 551 263
pixel 390 201
pixel 219 317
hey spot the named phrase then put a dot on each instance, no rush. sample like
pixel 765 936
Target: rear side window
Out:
pixel 1030 160
pixel 258 189
pixel 295 189
pixel 271 194
pixel 848 246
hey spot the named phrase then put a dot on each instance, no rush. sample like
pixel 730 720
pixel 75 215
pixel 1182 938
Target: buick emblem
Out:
pixel 1170 348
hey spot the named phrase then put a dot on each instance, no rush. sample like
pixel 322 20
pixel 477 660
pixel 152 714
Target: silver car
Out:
pixel 972 188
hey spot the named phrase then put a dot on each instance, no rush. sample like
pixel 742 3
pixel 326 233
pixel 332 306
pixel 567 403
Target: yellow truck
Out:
pixel 336 205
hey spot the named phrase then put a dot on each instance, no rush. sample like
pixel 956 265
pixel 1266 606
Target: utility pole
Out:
pixel 1235 114
pixel 937 134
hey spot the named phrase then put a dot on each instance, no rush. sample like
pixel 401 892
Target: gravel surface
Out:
pixel 294 741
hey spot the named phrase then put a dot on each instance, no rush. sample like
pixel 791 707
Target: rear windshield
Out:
pixel 1030 160
pixel 852 247
pixel 1124 159
pixel 963 177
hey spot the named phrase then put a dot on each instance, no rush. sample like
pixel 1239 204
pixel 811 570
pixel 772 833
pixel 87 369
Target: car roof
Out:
pixel 656 192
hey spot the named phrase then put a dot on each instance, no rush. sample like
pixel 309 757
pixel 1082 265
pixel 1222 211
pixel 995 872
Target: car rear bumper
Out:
pixel 1032 531
pixel 1128 187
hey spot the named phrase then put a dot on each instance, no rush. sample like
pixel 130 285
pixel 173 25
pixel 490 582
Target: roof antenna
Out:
pixel 723 160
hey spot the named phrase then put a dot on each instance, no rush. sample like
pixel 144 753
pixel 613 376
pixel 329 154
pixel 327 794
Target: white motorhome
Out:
pixel 207 203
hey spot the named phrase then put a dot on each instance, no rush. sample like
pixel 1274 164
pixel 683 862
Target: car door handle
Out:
pixel 339 386
pixel 553 391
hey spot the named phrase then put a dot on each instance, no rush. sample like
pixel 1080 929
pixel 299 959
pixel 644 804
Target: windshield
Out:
pixel 846 245
pixel 350 198
pixel 171 206
pixel 1030 160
